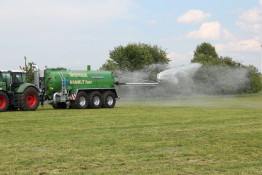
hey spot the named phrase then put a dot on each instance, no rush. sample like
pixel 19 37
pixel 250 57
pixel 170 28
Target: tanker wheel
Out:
pixel 4 101
pixel 59 106
pixel 80 102
pixel 95 100
pixel 29 100
pixel 109 99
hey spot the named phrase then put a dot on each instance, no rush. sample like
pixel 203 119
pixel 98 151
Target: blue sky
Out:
pixel 74 33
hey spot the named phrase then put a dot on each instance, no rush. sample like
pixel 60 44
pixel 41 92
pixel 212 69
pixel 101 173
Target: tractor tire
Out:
pixel 80 102
pixel 95 100
pixel 59 106
pixel 29 100
pixel 109 99
pixel 4 101
pixel 12 108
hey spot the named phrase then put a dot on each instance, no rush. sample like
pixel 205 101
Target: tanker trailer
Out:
pixel 64 88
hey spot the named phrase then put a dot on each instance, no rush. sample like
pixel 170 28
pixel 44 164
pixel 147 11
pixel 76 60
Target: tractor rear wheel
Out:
pixel 95 100
pixel 29 100
pixel 80 102
pixel 4 101
pixel 109 99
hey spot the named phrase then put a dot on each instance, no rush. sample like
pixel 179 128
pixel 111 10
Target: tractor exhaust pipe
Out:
pixel 36 76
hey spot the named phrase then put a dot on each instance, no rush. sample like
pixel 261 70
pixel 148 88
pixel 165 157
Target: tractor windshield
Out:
pixel 18 77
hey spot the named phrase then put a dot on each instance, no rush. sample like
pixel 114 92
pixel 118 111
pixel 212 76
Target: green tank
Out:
pixel 64 88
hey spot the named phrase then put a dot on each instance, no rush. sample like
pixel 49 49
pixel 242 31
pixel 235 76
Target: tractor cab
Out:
pixel 11 80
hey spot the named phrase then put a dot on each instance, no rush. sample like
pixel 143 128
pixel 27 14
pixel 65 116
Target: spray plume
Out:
pixel 188 80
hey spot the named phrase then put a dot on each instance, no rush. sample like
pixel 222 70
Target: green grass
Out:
pixel 199 135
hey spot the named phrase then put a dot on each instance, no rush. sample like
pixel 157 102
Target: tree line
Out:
pixel 137 56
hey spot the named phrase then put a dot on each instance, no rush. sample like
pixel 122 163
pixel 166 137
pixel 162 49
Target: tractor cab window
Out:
pixel 5 77
pixel 18 77
pixel 23 77
pixel 17 80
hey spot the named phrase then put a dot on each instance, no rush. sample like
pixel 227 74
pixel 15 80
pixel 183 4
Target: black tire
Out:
pixel 12 108
pixel 109 99
pixel 95 100
pixel 59 106
pixel 4 101
pixel 81 101
pixel 29 100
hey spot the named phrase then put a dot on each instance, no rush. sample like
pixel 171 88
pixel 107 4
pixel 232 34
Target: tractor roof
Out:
pixel 15 71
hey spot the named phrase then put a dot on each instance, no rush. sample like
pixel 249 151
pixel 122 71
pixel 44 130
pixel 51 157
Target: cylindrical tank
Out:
pixel 56 78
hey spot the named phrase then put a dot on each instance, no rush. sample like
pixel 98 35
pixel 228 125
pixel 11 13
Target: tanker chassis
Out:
pixel 59 87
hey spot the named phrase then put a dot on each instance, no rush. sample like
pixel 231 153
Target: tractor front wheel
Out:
pixel 29 100
pixel 4 101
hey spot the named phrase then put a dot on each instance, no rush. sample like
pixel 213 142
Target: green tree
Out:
pixel 29 68
pixel 255 79
pixel 135 57
pixel 206 54
pixel 206 49
pixel 110 65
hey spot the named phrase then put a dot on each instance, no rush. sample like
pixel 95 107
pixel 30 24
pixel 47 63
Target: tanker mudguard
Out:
pixel 23 86
pixel 73 91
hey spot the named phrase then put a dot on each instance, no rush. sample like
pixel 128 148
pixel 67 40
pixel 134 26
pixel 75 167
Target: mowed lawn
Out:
pixel 198 135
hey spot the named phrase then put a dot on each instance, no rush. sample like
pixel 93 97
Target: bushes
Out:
pixel 255 80
pixel 223 75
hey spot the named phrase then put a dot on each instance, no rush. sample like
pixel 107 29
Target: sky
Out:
pixel 76 33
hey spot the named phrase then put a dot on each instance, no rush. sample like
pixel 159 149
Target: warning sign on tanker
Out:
pixel 80 82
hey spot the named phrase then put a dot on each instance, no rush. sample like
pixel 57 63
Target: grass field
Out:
pixel 199 135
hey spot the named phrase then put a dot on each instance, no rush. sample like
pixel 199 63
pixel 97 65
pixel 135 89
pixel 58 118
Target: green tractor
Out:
pixel 16 93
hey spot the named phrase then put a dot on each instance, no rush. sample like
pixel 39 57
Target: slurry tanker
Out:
pixel 59 87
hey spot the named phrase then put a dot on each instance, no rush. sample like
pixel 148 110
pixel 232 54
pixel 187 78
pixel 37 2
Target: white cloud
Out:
pixel 252 45
pixel 251 20
pixel 246 51
pixel 193 16
pixel 178 59
pixel 52 12
pixel 175 56
pixel 152 22
pixel 210 31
